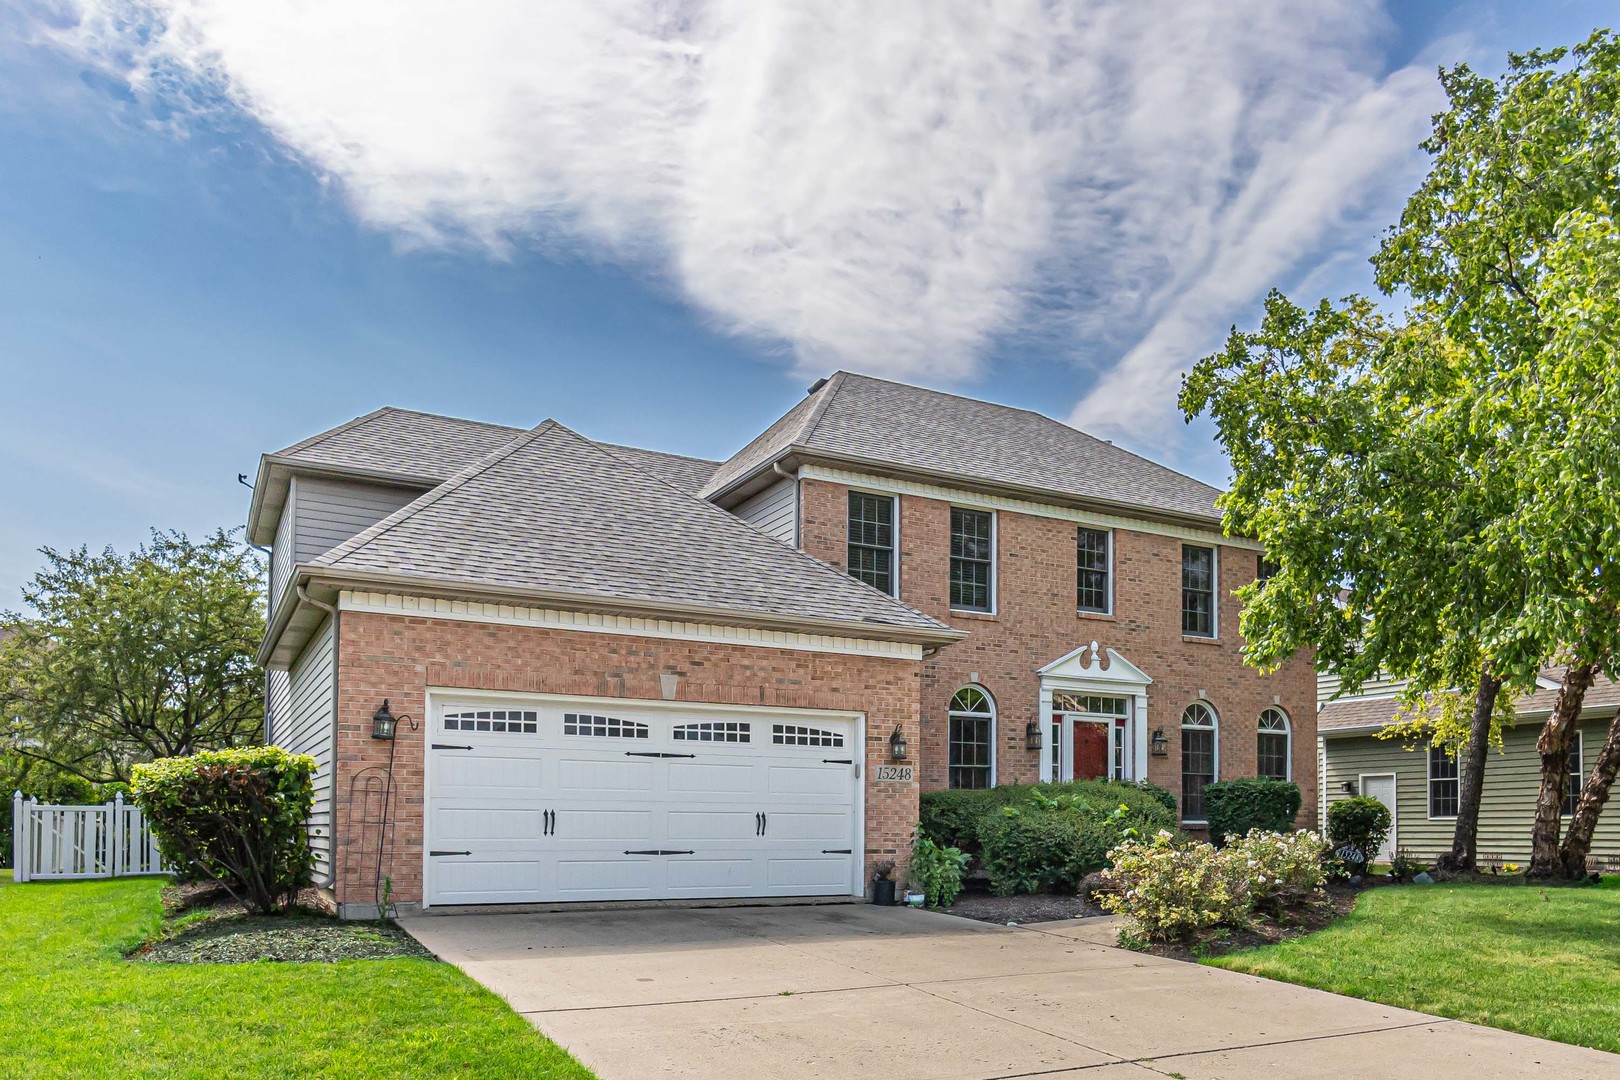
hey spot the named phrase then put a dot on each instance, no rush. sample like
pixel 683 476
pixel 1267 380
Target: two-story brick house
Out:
pixel 621 674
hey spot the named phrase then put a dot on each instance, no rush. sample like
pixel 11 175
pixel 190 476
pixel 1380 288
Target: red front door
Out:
pixel 1090 751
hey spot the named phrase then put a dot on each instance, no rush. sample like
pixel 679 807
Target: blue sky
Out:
pixel 212 250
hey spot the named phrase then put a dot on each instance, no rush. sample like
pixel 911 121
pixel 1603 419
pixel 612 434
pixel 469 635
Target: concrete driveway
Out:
pixel 856 991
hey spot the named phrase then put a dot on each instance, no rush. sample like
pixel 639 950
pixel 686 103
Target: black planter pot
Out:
pixel 883 892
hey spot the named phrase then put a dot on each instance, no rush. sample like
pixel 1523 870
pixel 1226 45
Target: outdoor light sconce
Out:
pixel 1032 735
pixel 1161 745
pixel 383 722
pixel 1348 787
pixel 897 745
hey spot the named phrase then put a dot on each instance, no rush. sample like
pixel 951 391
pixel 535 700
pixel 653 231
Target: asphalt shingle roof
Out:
pixel 552 512
pixel 857 416
pixel 427 446
pixel 1352 712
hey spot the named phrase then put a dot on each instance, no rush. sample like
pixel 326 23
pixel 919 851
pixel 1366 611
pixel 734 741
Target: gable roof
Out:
pixel 860 419
pixel 557 518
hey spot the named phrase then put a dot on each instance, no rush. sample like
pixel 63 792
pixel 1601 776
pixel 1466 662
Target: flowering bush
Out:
pixel 1279 868
pixel 1169 890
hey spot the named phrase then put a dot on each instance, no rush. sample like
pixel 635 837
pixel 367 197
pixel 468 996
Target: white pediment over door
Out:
pixel 1085 665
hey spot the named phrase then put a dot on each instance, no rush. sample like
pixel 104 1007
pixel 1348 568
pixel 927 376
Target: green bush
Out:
pixel 955 817
pixel 1279 869
pixel 1052 842
pixel 1237 807
pixel 1356 829
pixel 236 817
pixel 937 870
pixel 1169 889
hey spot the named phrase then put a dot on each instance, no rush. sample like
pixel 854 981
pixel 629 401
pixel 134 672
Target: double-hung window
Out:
pixel 1272 750
pixel 1572 782
pixel 1197 591
pixel 1093 558
pixel 972 559
pixel 871 540
pixel 1443 786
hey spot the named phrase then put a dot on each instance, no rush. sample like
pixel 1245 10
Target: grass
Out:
pixel 1542 961
pixel 75 1007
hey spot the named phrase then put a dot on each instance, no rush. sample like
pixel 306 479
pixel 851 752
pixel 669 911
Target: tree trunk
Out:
pixel 1578 841
pixel 1465 840
pixel 1553 746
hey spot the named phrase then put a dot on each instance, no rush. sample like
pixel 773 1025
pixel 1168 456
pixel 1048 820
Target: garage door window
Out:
pixel 732 731
pixel 794 735
pixel 603 727
pixel 512 721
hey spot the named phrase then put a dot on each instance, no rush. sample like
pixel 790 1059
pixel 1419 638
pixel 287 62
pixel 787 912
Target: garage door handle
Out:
pixel 660 851
pixel 651 753
pixel 447 746
pixel 549 820
pixel 759 823
pixel 436 853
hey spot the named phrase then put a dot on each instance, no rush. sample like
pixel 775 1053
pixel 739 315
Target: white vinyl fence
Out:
pixel 61 843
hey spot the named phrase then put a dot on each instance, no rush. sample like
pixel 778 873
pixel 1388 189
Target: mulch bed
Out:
pixel 1017 910
pixel 1297 922
pixel 225 934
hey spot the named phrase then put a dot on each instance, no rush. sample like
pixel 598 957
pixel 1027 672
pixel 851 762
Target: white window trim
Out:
pixel 1579 750
pixel 1109 608
pixel 1216 766
pixel 1288 733
pixel 1214 590
pixel 1428 787
pixel 950 713
pixel 894 533
pixel 995 570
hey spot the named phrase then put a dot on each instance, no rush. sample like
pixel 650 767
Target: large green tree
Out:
pixel 127 658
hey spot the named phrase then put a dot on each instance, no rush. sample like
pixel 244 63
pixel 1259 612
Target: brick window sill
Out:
pixel 988 616
pixel 1195 639
pixel 1101 616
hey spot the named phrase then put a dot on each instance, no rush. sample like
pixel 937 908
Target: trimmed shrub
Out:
pixel 956 817
pixel 1279 868
pixel 236 817
pixel 1356 829
pixel 1052 843
pixel 937 870
pixel 1169 890
pixel 1238 807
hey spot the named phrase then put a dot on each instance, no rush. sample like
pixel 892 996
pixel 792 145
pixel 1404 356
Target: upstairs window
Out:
pixel 972 559
pixel 1572 783
pixel 1272 758
pixel 1200 762
pixel 1093 559
pixel 1197 591
pixel 1264 568
pixel 871 540
pixel 972 739
pixel 1443 789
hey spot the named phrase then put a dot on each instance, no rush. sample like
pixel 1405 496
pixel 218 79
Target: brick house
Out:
pixel 621 674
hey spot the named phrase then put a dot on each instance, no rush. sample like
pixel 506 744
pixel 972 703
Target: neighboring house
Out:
pixel 1419 783
pixel 635 675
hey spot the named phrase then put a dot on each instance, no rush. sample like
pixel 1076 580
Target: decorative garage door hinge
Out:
pixel 837 851
pixel 449 853
pixel 837 761
pixel 653 753
pixel 448 746
pixel 660 851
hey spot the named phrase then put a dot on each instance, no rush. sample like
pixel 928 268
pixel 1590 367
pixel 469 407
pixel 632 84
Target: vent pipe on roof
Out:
pixel 817 385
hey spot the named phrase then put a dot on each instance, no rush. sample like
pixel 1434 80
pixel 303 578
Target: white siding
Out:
pixel 281 555
pixel 306 728
pixel 774 511
pixel 328 512
pixel 277 695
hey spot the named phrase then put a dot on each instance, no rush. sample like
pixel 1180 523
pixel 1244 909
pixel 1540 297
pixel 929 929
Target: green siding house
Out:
pixel 1419 783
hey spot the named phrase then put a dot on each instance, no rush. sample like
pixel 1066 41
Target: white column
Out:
pixel 19 829
pixel 118 841
pixel 1044 721
pixel 1143 733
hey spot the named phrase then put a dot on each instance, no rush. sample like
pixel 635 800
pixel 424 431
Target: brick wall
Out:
pixel 1036 622
pixel 399 658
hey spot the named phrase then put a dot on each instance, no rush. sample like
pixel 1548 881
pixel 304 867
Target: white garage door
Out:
pixel 539 801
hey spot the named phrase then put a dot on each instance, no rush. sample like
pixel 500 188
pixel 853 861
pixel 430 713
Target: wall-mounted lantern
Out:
pixel 1032 735
pixel 1348 787
pixel 897 745
pixel 383 722
pixel 1161 745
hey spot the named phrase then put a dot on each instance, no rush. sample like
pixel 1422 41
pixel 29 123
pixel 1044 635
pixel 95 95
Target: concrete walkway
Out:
pixel 856 991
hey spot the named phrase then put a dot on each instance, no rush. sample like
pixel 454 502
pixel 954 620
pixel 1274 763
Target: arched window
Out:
pixel 973 739
pixel 1200 758
pixel 1273 756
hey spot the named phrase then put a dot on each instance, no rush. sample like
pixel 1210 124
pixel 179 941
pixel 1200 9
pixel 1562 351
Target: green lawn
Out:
pixel 1541 961
pixel 75 1008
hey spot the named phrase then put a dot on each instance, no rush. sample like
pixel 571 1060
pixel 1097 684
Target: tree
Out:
pixel 1499 241
pixel 135 657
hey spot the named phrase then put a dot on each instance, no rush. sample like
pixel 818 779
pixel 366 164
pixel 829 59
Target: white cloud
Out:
pixel 893 187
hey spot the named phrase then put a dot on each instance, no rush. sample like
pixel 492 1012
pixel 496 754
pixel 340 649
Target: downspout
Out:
pixel 336 655
pixel 798 506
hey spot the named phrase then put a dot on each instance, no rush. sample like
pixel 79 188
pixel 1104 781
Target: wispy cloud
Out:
pixel 894 187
